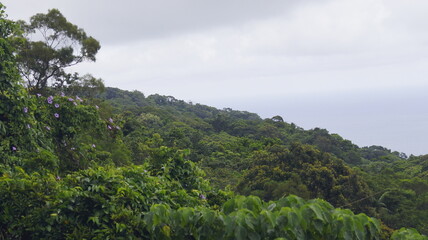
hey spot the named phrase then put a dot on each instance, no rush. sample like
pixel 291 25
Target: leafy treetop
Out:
pixel 60 44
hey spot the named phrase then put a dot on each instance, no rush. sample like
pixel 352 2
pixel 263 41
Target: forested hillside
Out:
pixel 81 161
pixel 271 158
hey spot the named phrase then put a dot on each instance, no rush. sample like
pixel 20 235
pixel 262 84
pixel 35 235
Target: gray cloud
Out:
pixel 132 20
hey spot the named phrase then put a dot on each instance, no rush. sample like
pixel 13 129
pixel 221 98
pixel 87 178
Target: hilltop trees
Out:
pixel 53 44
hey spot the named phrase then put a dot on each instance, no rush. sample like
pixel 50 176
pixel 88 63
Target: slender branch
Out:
pixel 362 199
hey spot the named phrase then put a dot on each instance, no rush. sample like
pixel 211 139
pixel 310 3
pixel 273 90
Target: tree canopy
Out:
pixel 53 44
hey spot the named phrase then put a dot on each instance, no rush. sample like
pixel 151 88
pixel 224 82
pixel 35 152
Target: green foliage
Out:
pixel 15 105
pixel 407 234
pixel 379 153
pixel 24 202
pixel 305 171
pixel 116 203
pixel 62 44
pixel 403 192
pixel 86 86
pixel 102 202
pixel 40 161
pixel 250 218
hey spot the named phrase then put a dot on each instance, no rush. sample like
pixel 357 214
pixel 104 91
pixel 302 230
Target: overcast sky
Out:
pixel 355 67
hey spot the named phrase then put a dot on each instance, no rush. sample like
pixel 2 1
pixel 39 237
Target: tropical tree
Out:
pixel 305 171
pixel 53 44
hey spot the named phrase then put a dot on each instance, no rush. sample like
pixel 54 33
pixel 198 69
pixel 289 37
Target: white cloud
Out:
pixel 338 46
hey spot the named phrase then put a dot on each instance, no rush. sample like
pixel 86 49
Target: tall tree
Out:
pixel 52 45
